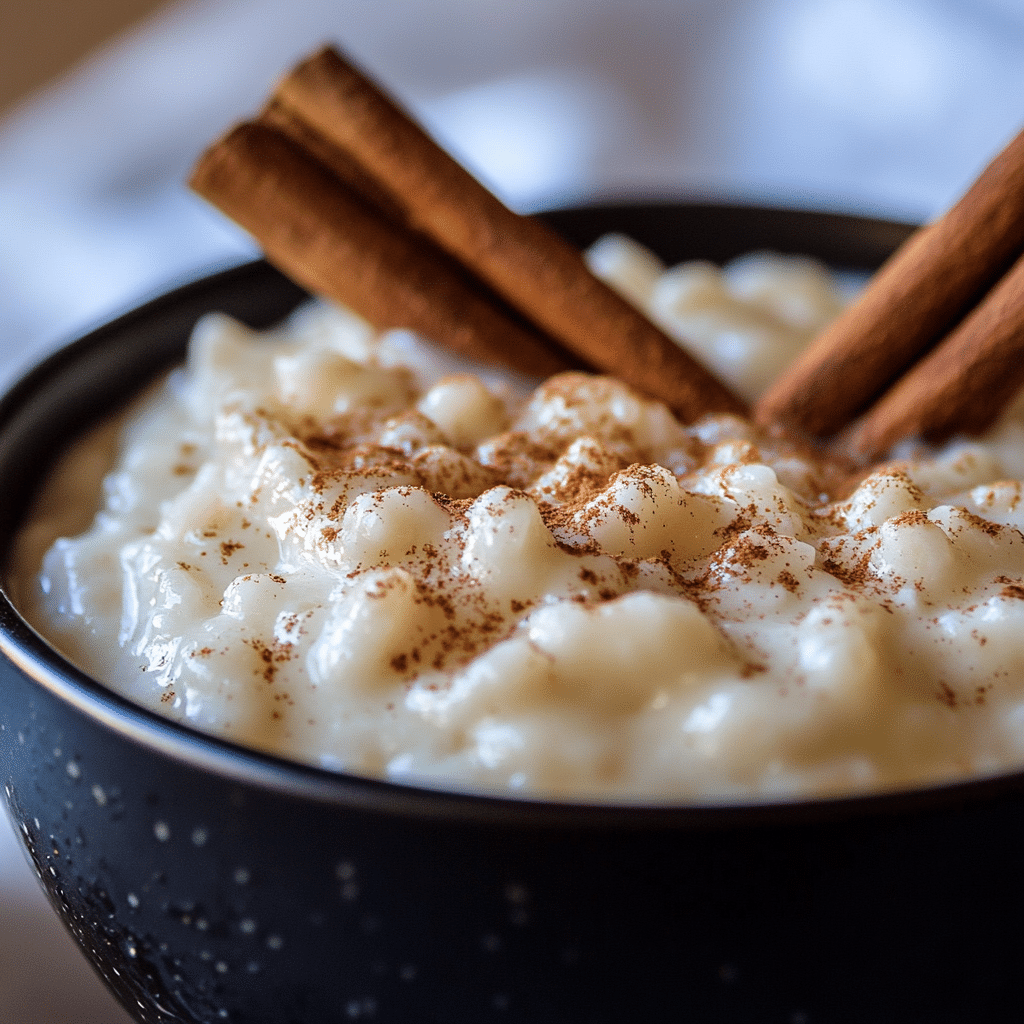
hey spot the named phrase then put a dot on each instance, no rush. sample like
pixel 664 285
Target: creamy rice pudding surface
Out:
pixel 352 550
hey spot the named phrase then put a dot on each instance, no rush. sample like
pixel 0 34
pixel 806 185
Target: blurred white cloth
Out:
pixel 884 106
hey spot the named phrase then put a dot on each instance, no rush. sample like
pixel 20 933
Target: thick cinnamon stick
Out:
pixel 963 384
pixel 919 295
pixel 338 161
pixel 353 176
pixel 539 273
pixel 324 236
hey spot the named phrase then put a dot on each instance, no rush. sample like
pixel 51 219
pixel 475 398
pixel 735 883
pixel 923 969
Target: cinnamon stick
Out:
pixel 338 161
pixel 919 295
pixel 963 384
pixel 326 237
pixel 354 177
pixel 539 273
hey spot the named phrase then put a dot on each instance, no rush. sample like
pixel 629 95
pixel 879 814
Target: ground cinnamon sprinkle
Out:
pixel 854 574
pixel 228 548
pixel 789 581
pixel 985 525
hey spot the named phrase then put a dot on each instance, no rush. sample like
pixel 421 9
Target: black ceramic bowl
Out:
pixel 208 884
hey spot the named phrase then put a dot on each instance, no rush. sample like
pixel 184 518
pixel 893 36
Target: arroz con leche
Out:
pixel 352 550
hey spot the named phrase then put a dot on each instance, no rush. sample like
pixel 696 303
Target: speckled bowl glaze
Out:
pixel 207 883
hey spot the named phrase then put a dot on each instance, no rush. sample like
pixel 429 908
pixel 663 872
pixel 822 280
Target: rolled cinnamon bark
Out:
pixel 325 236
pixel 918 296
pixel 353 176
pixel 338 161
pixel 962 385
pixel 539 273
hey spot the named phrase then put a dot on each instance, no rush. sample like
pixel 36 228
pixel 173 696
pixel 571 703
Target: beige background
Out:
pixel 41 38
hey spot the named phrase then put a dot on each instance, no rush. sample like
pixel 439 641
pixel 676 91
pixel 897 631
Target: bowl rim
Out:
pixel 32 655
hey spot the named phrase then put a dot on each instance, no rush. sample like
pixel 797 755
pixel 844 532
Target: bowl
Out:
pixel 208 883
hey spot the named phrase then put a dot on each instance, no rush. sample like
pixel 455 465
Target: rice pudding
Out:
pixel 353 550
